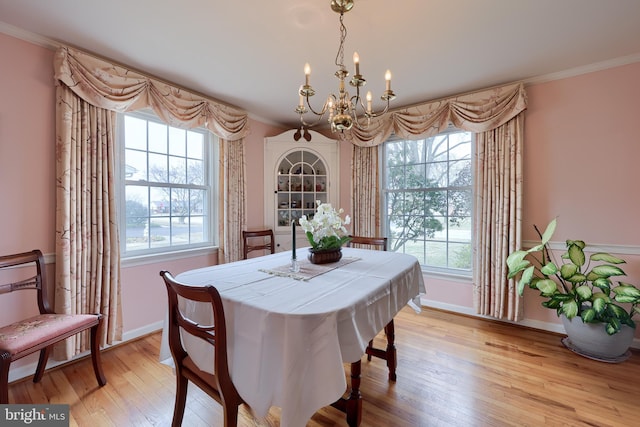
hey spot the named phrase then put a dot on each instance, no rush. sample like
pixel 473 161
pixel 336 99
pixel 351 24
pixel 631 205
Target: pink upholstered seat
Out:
pixel 25 334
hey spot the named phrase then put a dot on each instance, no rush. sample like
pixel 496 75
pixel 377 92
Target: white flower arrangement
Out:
pixel 326 229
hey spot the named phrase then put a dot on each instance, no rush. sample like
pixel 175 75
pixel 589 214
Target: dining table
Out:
pixel 290 331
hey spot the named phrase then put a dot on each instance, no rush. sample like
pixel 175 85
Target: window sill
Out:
pixel 134 261
pixel 448 274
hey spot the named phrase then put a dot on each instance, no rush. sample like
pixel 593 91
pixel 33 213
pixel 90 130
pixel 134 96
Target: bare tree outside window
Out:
pixel 168 185
pixel 428 199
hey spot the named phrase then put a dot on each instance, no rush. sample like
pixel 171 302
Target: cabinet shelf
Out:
pixel 296 174
pixel 301 181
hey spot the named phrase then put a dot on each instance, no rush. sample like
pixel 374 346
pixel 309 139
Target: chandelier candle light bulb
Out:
pixel 356 61
pixel 301 104
pixel 387 77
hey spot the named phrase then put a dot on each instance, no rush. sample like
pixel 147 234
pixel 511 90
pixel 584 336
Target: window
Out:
pixel 428 199
pixel 167 185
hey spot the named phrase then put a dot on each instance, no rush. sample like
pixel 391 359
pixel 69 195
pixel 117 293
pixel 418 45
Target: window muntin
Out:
pixel 428 199
pixel 167 186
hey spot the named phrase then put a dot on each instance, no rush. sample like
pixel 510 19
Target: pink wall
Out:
pixel 584 122
pixel 581 156
pixel 27 147
pixel 254 157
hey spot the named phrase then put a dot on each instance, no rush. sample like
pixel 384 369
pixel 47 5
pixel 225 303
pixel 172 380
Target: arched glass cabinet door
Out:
pixel 301 181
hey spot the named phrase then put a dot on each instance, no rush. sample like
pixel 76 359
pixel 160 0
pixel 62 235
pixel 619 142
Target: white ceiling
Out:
pixel 251 54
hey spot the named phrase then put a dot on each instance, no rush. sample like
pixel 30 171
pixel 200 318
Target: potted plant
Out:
pixel 583 294
pixel 326 233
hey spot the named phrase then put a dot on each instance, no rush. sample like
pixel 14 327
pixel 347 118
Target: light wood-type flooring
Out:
pixel 453 370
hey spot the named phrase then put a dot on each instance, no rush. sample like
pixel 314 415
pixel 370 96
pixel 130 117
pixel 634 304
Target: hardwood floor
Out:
pixel 452 371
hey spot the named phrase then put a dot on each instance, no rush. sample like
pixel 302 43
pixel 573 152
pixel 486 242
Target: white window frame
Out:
pixel 210 156
pixel 450 272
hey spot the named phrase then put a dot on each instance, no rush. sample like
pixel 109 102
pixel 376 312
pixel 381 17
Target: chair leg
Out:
pixel 5 362
pixel 95 353
pixel 389 353
pixel 392 362
pixel 230 414
pixel 181 399
pixel 42 364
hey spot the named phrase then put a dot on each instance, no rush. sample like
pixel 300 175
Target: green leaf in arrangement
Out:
pixel 588 315
pixel 599 304
pixel 551 228
pixel 627 290
pixel 605 257
pixel 613 326
pixel 536 248
pixel 517 268
pixel 570 309
pixel 562 297
pixel 568 270
pixel 577 278
pixel 552 303
pixel 549 269
pixel 515 259
pixel 525 279
pixel 617 311
pixel 576 255
pixel 578 243
pixel 603 283
pixel 546 286
pixel 607 270
pixel 591 276
pixel 584 292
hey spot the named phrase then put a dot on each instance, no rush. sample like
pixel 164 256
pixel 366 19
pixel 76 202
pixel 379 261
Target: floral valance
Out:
pixel 476 112
pixel 117 88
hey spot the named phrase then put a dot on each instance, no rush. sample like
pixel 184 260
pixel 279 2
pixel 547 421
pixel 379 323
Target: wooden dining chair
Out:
pixel 379 243
pixel 42 331
pixel 388 354
pixel 217 385
pixel 266 242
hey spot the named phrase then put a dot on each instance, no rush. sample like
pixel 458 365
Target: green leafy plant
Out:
pixel 577 286
pixel 326 229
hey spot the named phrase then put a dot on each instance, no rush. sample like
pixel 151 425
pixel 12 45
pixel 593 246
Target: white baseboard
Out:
pixel 29 370
pixel 535 324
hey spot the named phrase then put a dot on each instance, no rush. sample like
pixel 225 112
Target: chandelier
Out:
pixel 344 111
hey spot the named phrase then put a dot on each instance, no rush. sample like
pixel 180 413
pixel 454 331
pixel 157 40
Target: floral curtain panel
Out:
pixel 497 218
pixel 364 191
pixel 496 116
pixel 233 211
pixel 87 241
pixel 87 266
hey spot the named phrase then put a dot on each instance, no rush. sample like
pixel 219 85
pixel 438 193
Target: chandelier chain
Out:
pixel 343 35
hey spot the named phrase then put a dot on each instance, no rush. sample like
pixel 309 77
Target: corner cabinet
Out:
pixel 296 174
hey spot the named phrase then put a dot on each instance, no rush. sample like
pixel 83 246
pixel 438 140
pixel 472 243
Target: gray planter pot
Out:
pixel 591 340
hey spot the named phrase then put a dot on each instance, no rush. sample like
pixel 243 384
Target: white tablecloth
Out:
pixel 288 338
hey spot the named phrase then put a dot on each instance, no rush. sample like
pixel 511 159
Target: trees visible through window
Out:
pixel 167 189
pixel 428 199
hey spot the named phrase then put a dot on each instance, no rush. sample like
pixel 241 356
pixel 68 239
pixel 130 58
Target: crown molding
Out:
pixel 28 36
pixel 585 69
